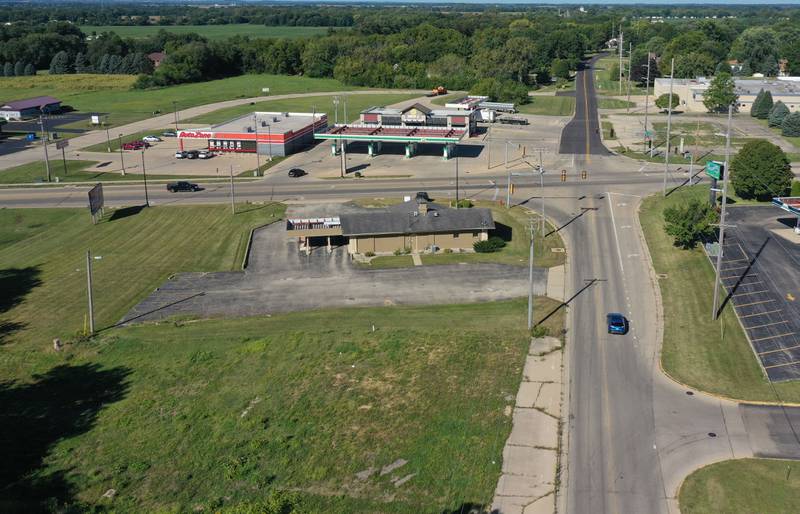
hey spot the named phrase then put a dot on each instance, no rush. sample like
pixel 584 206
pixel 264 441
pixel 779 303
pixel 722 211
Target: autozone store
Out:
pixel 273 133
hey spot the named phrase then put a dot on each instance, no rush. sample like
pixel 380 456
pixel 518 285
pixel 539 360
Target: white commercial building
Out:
pixel 691 91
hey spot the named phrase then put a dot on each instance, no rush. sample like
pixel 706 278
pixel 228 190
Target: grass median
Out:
pixel 742 486
pixel 76 171
pixel 712 356
pixel 203 415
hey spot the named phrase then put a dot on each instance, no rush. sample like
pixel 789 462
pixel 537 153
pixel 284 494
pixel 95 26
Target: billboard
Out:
pixel 96 198
pixel 62 143
pixel 95 119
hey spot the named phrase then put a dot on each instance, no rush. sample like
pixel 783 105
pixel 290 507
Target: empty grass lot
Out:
pixel 112 94
pixel 605 84
pixel 208 31
pixel 76 172
pixel 203 415
pixel 321 103
pixel 613 103
pixel 694 351
pixel 742 486
pixel 515 252
pixel 549 105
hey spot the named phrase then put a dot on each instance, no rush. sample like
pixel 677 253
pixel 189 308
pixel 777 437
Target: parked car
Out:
pixel 296 172
pixel 192 154
pixel 169 133
pixel 617 323
pixel 151 139
pixel 175 187
pixel 180 154
pixel 204 154
pixel 135 145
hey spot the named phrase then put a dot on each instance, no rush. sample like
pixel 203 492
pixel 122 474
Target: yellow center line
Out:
pixel 586 115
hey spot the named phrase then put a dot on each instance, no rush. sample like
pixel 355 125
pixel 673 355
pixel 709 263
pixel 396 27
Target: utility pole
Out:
pixel 456 181
pixel 669 124
pixel 89 287
pixel 258 158
pixel 335 110
pixel 108 139
pixel 233 198
pixel 506 148
pixel 530 282
pixel 725 180
pixel 344 110
pixel 269 136
pixel 508 190
pixel 647 103
pixel 175 112
pixel 121 158
pixel 541 185
pixel 144 174
pixel 44 145
pixel 621 35
pixel 630 70
pixel 343 167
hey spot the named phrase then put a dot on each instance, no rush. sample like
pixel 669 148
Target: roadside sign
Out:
pixel 95 119
pixel 96 199
pixel 715 169
pixel 62 143
pixel 265 90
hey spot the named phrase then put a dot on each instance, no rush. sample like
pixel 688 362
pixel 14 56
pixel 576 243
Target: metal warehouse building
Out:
pixel 275 133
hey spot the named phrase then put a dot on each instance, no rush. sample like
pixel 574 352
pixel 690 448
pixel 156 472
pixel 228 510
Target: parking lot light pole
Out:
pixel 144 174
pixel 269 140
pixel 44 145
pixel 530 282
pixel 175 113
pixel 725 180
pixel 121 158
pixel 646 100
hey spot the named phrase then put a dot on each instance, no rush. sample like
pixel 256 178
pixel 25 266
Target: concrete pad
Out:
pixel 519 487
pixel 538 465
pixel 549 399
pixel 555 283
pixel 416 259
pixel 510 504
pixel 546 505
pixel 533 428
pixel 543 345
pixel 543 369
pixel 528 392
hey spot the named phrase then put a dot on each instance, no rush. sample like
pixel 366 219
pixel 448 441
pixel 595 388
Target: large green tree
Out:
pixel 760 170
pixel 791 125
pixel 721 93
pixel 689 223
pixel 778 112
pixel 758 46
pixel 59 64
pixel 762 107
pixel 694 64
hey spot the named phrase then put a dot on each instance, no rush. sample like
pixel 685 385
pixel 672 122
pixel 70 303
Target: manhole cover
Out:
pixel 690 393
pixel 712 434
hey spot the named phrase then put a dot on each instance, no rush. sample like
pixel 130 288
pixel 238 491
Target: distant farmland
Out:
pixel 208 31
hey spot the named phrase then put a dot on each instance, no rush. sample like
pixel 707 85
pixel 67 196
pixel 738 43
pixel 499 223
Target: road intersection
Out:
pixel 632 433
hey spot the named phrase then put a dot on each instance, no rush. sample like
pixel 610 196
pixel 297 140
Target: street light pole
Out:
pixel 456 181
pixel 630 69
pixel 108 138
pixel 44 145
pixel 144 174
pixel 530 281
pixel 258 158
pixel 269 140
pixel 175 113
pixel 647 101
pixel 121 158
pixel 725 180
pixel 669 125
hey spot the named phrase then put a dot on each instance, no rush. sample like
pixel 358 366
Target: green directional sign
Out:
pixel 715 169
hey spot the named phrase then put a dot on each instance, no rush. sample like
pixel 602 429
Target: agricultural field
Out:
pixel 208 31
pixel 112 94
pixel 321 103
pixel 301 409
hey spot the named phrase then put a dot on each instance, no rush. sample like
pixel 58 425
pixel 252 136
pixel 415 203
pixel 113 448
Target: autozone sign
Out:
pixel 195 135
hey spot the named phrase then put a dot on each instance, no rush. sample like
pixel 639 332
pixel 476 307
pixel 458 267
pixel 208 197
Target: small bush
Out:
pixel 491 245
pixel 369 254
pixel 448 250
pixel 398 251
pixel 462 204
pixel 540 331
pixel 358 174
pixel 795 188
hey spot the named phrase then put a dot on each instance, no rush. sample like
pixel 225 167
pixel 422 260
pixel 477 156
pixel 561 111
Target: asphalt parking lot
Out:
pixel 281 279
pixel 761 274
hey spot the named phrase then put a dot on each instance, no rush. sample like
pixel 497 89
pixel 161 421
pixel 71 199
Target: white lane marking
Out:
pixel 616 236
pixel 621 204
pixel 625 227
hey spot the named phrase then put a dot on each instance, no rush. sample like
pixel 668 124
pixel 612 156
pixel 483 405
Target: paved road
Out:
pixel 282 279
pixel 581 135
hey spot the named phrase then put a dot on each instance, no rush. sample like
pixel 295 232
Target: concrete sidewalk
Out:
pixel 530 456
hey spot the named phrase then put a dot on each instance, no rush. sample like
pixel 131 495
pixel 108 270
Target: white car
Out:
pixel 204 154
pixel 151 139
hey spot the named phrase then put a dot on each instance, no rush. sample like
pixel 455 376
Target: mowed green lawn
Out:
pixel 321 103
pixel 112 94
pixel 75 172
pixel 204 415
pixel 743 486
pixel 712 356
pixel 605 84
pixel 208 31
pixel 549 105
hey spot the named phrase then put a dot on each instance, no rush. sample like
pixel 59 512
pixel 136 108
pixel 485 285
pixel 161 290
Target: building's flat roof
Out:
pixel 743 86
pixel 364 132
pixel 401 219
pixel 27 103
pixel 382 110
pixel 273 122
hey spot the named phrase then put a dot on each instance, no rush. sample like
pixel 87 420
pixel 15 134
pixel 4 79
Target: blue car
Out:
pixel 617 323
